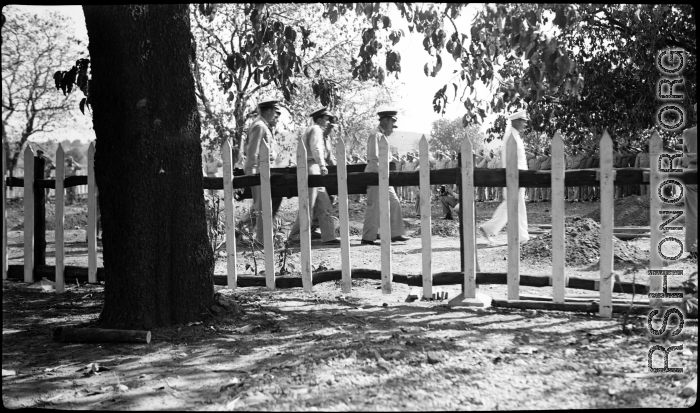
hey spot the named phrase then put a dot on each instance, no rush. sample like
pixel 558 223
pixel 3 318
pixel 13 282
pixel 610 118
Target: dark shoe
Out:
pixel 365 242
pixel 448 216
pixel 332 242
pixel 400 238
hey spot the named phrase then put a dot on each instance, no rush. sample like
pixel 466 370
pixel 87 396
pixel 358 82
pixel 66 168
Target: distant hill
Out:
pixel 405 141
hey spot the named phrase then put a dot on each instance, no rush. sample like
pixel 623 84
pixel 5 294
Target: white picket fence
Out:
pixel 60 195
pixel 558 280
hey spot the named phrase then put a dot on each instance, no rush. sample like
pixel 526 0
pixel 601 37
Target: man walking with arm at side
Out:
pixel 316 158
pixel 260 130
pixel 387 119
pixel 500 216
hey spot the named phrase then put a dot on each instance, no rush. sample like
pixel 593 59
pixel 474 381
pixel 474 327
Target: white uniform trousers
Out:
pixel 321 209
pixel 371 225
pixel 500 217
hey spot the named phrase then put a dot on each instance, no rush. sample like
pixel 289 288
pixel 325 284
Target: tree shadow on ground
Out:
pixel 290 348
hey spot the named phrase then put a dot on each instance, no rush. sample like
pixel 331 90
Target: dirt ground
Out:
pixel 290 350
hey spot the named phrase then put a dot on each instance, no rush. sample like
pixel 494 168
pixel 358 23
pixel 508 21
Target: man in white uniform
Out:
pixel 261 130
pixel 387 119
pixel 500 216
pixel 316 158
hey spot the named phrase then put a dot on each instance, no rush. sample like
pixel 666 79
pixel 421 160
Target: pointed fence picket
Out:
pixel 230 224
pixel 344 216
pixel 4 215
pixel 468 236
pixel 559 280
pixel 92 216
pixel 60 199
pixel 304 216
pixel 385 214
pixel 425 219
pixel 607 205
pixel 512 196
pixel 28 214
pixel 266 199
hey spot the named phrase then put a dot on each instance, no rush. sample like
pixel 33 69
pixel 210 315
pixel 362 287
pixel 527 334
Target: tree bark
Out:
pixel 158 262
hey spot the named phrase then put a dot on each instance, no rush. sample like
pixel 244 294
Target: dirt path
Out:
pixel 289 350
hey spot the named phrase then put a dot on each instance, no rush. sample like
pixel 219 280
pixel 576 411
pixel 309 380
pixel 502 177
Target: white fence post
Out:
pixel 29 214
pixel 607 210
pixel 385 214
pixel 92 215
pixel 467 208
pixel 60 196
pixel 4 215
pixel 425 217
pixel 268 231
pixel 512 198
pixel 230 225
pixel 346 268
pixel 656 178
pixel 304 218
pixel 559 279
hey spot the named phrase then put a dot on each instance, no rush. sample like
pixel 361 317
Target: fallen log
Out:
pixel 596 298
pixel 100 335
pixel 580 307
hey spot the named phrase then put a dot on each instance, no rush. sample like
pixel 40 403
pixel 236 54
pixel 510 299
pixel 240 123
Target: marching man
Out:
pixel 387 119
pixel 316 158
pixel 518 122
pixel 261 130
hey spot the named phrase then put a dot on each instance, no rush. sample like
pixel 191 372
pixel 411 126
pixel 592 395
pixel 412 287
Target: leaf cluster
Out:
pixel 575 67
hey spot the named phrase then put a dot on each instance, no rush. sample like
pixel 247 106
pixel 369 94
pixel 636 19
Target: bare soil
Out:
pixel 290 350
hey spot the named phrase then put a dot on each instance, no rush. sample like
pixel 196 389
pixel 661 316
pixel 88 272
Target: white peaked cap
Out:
pixel 522 114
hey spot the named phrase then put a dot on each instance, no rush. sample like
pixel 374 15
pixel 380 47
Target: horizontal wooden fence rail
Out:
pixel 73 273
pixel 482 177
pixel 75 180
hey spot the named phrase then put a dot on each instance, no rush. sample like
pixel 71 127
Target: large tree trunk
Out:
pixel 158 263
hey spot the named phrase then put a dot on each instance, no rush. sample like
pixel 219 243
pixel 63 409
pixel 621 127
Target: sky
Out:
pixel 83 130
pixel 415 90
pixel 418 90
